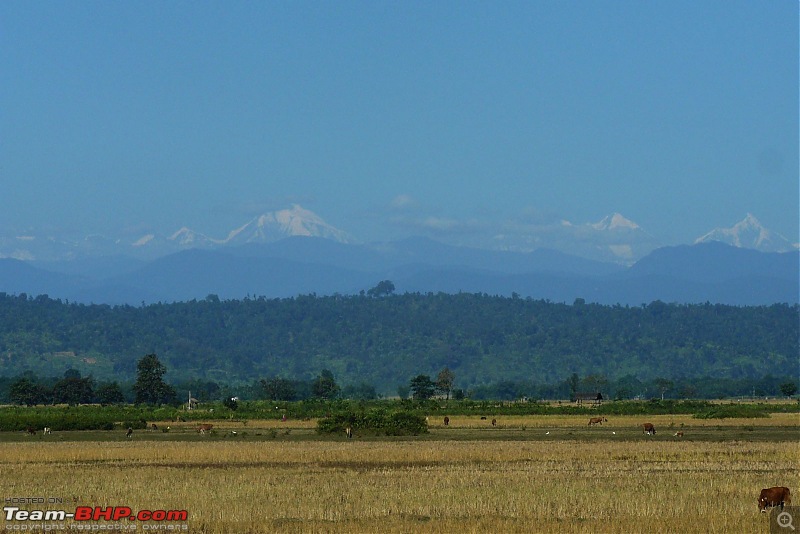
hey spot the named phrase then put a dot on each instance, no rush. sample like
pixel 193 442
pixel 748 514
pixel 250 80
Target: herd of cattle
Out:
pixel 768 498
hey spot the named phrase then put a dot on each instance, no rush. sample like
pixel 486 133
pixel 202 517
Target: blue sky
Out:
pixel 396 118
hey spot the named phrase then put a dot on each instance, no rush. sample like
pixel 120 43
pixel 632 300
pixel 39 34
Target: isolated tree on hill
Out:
pixel 150 388
pixel 788 388
pixel 444 381
pixel 385 287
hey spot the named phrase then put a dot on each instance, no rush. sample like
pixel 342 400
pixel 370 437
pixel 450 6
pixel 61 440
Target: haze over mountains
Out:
pixel 294 251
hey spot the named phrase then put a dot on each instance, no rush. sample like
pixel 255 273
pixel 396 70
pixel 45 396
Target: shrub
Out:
pixel 732 410
pixel 377 421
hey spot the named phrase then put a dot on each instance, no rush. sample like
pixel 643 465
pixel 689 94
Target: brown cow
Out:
pixel 31 431
pixel 777 496
pixel 202 429
pixel 597 421
pixel 679 434
pixel 446 421
pixel 649 429
pixel 129 433
pixel 494 422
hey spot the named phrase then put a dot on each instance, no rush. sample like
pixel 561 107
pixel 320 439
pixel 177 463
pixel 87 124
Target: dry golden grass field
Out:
pixel 528 474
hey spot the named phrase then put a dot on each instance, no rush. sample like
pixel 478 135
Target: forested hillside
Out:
pixel 385 341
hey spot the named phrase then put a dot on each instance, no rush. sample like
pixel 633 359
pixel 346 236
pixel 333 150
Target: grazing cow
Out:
pixel 494 422
pixel 597 421
pixel 129 433
pixel 202 429
pixel 31 431
pixel 483 418
pixel 679 434
pixel 649 429
pixel 46 430
pixel 777 496
pixel 446 421
pixel 349 432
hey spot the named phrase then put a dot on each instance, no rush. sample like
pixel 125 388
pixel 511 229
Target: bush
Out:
pixel 732 410
pixel 378 421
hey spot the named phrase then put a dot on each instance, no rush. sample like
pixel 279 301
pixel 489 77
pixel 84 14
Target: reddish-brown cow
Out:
pixel 649 429
pixel 597 421
pixel 202 429
pixel 776 496
pixel 446 421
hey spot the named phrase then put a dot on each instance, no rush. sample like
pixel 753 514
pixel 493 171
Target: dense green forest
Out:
pixel 384 341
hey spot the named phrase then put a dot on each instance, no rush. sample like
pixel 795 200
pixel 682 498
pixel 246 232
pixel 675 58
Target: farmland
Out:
pixel 530 473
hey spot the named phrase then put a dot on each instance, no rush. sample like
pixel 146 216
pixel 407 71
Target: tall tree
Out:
pixel 72 389
pixel 325 385
pixel 279 389
pixel 663 385
pixel 150 388
pixel 422 387
pixel 110 393
pixel 25 391
pixel 788 388
pixel 384 287
pixel 573 381
pixel 444 381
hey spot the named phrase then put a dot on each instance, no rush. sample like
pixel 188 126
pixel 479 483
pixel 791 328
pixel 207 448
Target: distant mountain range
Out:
pixel 293 251
pixel 613 239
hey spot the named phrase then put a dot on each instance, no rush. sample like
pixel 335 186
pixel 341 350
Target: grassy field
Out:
pixel 527 474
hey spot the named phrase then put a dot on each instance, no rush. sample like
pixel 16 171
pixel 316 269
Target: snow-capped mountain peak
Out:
pixel 615 222
pixel 295 221
pixel 186 237
pixel 749 233
pixel 144 240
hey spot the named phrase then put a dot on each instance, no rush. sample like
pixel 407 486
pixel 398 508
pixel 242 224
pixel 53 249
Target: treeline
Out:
pixel 495 346
pixel 150 389
pixel 72 389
